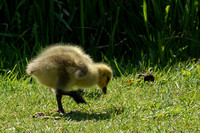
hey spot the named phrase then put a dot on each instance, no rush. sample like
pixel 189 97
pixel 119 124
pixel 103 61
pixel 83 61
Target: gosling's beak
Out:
pixel 104 90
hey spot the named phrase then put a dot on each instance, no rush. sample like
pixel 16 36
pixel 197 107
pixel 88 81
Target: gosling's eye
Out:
pixel 108 79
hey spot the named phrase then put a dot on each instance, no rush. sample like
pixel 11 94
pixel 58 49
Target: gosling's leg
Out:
pixel 62 81
pixel 77 97
pixel 60 107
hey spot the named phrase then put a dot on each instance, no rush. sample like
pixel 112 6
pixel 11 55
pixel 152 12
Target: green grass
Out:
pixel 170 104
pixel 121 33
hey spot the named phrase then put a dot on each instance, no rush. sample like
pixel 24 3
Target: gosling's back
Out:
pixel 58 55
pixel 72 50
pixel 60 63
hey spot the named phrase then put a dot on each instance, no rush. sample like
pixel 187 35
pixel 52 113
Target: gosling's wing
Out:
pixel 81 71
pixel 73 65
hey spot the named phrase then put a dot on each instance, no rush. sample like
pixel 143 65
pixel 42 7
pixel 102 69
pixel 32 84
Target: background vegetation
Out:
pixel 126 31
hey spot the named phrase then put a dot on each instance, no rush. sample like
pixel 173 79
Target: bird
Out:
pixel 147 76
pixel 64 66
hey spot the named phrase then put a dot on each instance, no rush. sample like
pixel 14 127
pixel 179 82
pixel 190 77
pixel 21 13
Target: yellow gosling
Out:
pixel 62 67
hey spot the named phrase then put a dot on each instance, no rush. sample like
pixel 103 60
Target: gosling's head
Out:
pixel 105 76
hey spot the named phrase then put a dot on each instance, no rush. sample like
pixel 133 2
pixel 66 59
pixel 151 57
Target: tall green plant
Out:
pixel 165 31
pixel 82 22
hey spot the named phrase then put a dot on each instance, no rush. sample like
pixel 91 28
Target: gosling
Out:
pixel 63 66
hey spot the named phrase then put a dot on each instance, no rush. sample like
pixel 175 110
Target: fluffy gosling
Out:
pixel 62 67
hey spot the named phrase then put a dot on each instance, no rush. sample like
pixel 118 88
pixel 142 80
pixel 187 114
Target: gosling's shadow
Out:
pixel 104 114
pixel 101 114
pixel 81 116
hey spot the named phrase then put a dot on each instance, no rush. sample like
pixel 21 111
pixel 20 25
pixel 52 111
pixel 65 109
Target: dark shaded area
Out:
pixel 105 113
pixel 161 32
pixel 80 116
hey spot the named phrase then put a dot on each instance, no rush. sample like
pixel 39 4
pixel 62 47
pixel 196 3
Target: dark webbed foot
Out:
pixel 68 113
pixel 61 111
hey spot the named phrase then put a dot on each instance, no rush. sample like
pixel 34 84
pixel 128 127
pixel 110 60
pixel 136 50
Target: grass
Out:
pixel 170 104
pixel 121 33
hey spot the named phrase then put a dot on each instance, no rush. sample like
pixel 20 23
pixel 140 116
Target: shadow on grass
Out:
pixel 101 114
pixel 81 116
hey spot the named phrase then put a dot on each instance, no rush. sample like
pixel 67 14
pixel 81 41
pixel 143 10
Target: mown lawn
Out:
pixel 170 104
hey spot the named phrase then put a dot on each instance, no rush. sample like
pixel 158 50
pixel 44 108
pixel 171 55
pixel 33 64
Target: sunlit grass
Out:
pixel 170 104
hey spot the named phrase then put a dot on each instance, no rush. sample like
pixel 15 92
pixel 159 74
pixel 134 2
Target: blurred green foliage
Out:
pixel 129 31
